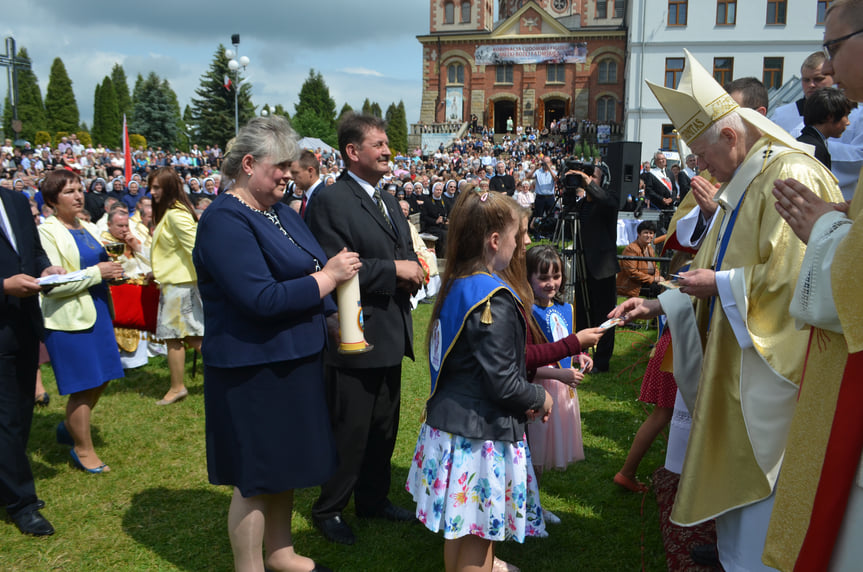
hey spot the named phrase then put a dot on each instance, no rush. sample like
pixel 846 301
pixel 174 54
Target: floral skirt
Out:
pixel 470 486
pixel 181 313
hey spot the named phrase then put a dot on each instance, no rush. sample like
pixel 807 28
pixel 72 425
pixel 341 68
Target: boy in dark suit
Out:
pixel 825 115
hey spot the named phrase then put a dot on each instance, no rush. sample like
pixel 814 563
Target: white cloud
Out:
pixel 362 71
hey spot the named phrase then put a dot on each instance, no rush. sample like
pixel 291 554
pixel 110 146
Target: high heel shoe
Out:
pixel 103 468
pixel 43 400
pixel 63 436
pixel 180 395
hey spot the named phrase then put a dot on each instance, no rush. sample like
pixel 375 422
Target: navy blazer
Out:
pixel 345 215
pixel 260 303
pixel 30 259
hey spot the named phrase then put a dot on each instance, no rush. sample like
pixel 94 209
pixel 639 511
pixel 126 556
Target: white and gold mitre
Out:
pixel 699 102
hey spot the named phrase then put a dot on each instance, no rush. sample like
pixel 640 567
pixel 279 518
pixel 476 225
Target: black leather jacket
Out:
pixel 482 391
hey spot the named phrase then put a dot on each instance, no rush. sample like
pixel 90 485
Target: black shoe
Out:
pixel 32 522
pixel 705 555
pixel 335 529
pixel 389 511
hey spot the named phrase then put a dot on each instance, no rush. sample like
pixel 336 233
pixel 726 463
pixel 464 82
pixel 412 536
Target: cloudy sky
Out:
pixel 363 49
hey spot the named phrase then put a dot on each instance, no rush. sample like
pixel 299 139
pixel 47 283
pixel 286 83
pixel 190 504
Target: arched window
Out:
pixel 449 13
pixel 465 11
pixel 455 73
pixel 608 71
pixel 606 109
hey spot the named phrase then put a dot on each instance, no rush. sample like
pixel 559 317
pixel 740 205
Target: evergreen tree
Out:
pixel 213 109
pixel 376 110
pixel 315 112
pixel 397 127
pixel 280 110
pixel 121 91
pixel 155 112
pixel 107 122
pixel 367 107
pixel 97 133
pixel 345 110
pixel 31 110
pixel 60 104
pixel 181 139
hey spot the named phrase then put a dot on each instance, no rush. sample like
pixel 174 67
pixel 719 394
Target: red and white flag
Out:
pixel 227 83
pixel 127 152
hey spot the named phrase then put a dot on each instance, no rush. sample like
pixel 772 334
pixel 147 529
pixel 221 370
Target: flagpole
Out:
pixel 127 152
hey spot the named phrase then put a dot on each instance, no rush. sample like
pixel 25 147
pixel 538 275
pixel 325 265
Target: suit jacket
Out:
pixel 681 186
pixel 260 303
pixel 346 216
pixel 316 188
pixel 171 251
pixel 69 307
pixel 599 231
pixel 813 137
pixel 30 259
pixel 655 190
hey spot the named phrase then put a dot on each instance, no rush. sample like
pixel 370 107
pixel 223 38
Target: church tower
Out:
pixel 461 16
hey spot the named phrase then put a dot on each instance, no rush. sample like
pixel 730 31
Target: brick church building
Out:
pixel 540 60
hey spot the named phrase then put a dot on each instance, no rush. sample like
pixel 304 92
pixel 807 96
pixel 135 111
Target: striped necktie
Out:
pixel 382 207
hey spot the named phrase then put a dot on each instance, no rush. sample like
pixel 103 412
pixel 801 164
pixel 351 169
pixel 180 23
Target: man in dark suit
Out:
pixel 825 115
pixel 21 260
pixel 598 237
pixel 364 388
pixel 306 172
pixel 658 187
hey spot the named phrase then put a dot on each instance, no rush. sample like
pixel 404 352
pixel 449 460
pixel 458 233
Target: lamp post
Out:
pixel 235 62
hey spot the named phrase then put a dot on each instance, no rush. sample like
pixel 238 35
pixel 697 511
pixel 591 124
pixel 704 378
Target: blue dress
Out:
pixel 87 358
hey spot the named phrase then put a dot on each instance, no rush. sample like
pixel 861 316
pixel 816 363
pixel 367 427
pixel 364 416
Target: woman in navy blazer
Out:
pixel 265 285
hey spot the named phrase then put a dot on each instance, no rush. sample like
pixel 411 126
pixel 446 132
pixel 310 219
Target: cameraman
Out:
pixel 545 178
pixel 598 216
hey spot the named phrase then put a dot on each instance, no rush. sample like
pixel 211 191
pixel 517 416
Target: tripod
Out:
pixel 572 254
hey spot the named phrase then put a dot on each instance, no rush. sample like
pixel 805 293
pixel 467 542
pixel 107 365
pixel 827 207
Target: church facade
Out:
pixel 527 63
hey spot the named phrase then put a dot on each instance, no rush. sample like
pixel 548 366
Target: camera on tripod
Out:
pixel 572 183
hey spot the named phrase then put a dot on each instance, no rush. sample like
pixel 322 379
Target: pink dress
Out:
pixel 556 443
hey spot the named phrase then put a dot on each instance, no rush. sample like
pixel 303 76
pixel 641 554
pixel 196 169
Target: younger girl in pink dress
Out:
pixel 557 443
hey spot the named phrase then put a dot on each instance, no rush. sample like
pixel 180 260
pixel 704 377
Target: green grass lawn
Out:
pixel 156 511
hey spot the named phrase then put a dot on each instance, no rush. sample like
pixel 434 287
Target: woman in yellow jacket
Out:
pixel 79 334
pixel 181 315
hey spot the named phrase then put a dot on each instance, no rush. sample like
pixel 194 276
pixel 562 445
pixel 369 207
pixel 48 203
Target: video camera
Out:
pixel 572 183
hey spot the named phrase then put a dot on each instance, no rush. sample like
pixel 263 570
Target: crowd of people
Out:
pixel 248 248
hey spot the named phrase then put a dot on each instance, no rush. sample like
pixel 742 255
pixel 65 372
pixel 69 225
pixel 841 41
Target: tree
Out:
pixel 213 108
pixel 31 110
pixel 280 110
pixel 107 122
pixel 345 110
pixel 60 104
pixel 367 107
pixel 397 126
pixel 156 112
pixel 315 112
pixel 121 91
pixel 376 110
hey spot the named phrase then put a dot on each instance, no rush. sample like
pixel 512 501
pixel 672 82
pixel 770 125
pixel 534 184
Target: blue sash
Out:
pixel 465 295
pixel 556 322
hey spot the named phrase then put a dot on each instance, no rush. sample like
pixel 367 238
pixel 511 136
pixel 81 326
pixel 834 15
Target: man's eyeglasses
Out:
pixel 830 48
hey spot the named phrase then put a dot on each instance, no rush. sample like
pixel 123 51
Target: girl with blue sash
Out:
pixel 557 443
pixel 471 474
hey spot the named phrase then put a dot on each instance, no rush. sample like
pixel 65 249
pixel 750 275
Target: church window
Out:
pixel 503 73
pixel 555 73
pixel 608 71
pixel 606 109
pixel 465 12
pixel 449 13
pixel 455 74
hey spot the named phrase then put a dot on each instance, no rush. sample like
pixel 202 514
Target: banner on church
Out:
pixel 570 53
